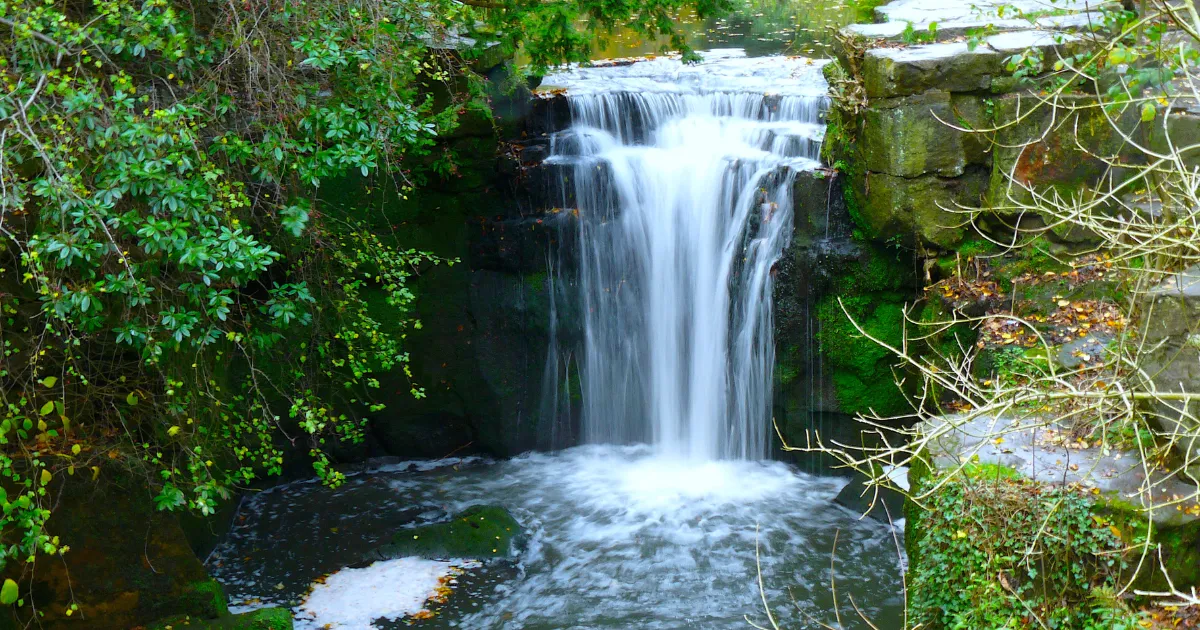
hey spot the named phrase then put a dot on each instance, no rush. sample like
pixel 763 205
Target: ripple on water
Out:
pixel 619 537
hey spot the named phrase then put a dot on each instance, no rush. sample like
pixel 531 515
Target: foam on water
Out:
pixel 619 537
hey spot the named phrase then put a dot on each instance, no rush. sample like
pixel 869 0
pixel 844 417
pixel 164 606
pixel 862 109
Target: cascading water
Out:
pixel 683 178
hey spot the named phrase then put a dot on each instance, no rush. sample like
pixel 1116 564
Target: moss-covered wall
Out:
pixel 128 564
pixel 872 294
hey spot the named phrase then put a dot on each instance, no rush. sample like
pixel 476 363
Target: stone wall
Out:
pixel 941 147
pixel 946 128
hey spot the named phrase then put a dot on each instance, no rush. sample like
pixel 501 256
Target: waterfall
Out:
pixel 682 180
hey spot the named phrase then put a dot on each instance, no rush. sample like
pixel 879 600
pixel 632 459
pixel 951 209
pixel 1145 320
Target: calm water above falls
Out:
pixel 683 177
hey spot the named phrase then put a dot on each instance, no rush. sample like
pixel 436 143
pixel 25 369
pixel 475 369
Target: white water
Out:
pixel 619 537
pixel 683 177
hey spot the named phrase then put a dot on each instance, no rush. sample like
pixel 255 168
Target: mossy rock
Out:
pixel 923 134
pixel 205 598
pixel 917 211
pixel 1055 163
pixel 129 564
pixel 261 619
pixel 1178 547
pixel 478 533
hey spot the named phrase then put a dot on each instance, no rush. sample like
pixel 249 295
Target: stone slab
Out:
pixel 926 11
pixel 952 67
pixel 894 31
pixel 1116 474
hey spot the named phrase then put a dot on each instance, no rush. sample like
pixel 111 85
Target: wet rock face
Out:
pixel 813 389
pixel 481 354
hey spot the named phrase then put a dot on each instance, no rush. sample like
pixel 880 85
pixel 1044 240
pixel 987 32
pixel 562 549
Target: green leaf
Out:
pixel 9 592
pixel 47 408
pixel 49 381
pixel 132 399
pixel 1148 111
pixel 46 476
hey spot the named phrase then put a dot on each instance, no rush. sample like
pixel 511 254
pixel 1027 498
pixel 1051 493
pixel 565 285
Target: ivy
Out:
pixel 997 551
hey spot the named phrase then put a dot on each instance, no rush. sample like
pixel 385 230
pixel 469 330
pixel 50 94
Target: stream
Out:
pixel 618 537
pixel 671 515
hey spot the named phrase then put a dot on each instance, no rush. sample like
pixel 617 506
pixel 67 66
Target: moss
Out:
pixel 787 364
pixel 919 474
pixel 980 471
pixel 262 619
pixel 536 281
pixel 1033 258
pixel 862 376
pixel 1179 546
pixel 864 10
pixel 205 598
pixel 976 247
pixel 479 532
pixel 861 370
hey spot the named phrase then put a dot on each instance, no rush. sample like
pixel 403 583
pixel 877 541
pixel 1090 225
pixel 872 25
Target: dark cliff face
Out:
pixel 483 351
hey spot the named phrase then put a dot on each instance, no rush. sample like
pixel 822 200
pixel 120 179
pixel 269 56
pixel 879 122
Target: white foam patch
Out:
pixel 354 599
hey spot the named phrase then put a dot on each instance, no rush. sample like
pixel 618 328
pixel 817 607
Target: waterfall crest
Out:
pixel 683 183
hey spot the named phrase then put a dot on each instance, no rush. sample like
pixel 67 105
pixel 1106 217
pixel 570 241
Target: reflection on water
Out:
pixel 760 27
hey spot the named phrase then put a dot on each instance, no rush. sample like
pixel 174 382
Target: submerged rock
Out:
pixel 478 533
pixel 261 619
pixel 882 503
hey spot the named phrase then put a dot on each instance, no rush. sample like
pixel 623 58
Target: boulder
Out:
pixel 882 503
pixel 912 136
pixel 128 565
pixel 953 67
pixel 481 532
pixel 1038 148
pixel 1172 313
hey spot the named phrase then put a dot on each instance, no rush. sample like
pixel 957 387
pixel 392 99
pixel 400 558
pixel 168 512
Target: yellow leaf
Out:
pixel 173 430
pixel 75 449
pixel 95 472
pixel 70 470
pixel 46 476
pixel 42 426
pixel 9 593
